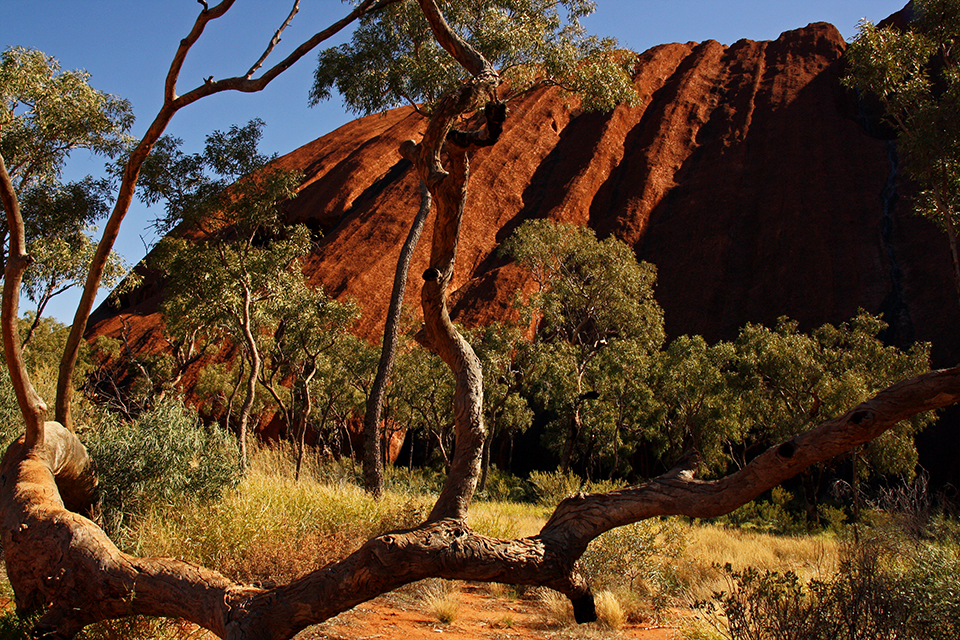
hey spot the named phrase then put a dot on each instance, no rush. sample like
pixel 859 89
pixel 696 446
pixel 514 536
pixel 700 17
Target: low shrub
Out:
pixel 880 592
pixel 166 455
pixel 550 487
pixel 641 558
pixel 502 486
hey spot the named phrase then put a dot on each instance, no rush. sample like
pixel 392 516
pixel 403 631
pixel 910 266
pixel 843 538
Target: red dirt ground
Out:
pixel 480 616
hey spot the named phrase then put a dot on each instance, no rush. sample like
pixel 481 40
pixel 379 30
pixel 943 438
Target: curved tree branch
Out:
pixel 32 407
pixel 171 104
pixel 372 462
pixel 43 540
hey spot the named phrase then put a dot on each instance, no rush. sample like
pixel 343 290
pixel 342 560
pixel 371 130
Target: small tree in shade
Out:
pixel 915 73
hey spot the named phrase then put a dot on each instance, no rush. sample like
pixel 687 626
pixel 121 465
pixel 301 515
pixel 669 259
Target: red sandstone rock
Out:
pixel 744 175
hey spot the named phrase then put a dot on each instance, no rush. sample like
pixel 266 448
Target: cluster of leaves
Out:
pixel 641 557
pixel 393 58
pixel 166 455
pixel 915 73
pixel 45 114
pixel 598 363
pixel 878 592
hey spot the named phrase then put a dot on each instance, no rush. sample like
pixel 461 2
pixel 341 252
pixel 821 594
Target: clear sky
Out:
pixel 127 46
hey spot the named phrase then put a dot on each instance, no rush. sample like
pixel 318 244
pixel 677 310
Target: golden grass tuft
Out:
pixel 610 613
pixel 507 519
pixel 556 607
pixel 440 599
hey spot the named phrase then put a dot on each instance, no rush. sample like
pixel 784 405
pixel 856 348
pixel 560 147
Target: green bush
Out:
pixel 767 516
pixel 551 487
pixel 165 455
pixel 503 486
pixel 881 591
pixel 641 558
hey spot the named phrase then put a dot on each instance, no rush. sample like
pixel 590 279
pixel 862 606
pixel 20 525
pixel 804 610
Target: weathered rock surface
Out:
pixel 745 175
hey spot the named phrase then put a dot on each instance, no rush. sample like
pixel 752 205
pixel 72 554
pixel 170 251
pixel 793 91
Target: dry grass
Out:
pixel 440 599
pixel 610 614
pixel 507 519
pixel 271 528
pixel 710 547
pixel 556 607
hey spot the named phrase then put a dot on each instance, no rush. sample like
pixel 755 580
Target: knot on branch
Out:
pixel 786 450
pixel 686 467
pixel 431 275
pixel 410 150
pixel 861 416
pixel 494 115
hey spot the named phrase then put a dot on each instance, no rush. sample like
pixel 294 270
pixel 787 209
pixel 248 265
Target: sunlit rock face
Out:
pixel 745 173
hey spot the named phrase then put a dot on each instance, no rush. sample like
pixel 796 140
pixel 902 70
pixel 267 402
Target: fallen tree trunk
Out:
pixel 63 563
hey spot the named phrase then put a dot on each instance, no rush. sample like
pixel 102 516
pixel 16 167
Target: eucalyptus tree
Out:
pixel 47 113
pixel 62 564
pixel 591 294
pixel 790 381
pixel 233 261
pixel 915 73
pixel 302 347
pixel 395 58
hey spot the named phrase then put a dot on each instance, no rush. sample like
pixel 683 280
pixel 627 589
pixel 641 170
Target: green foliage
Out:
pixel 506 487
pixel 895 579
pixel 553 486
pixel 695 401
pixel 590 291
pixel 45 114
pixel 421 399
pixel 877 593
pixel 596 326
pixel 916 75
pixel 394 59
pixel 235 262
pixel 794 381
pixel 769 516
pixel 165 455
pixel 641 557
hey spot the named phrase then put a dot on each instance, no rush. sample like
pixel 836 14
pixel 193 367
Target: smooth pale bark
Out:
pixel 62 562
pixel 32 407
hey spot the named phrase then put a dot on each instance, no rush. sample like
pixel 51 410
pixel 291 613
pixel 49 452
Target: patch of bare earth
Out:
pixel 479 615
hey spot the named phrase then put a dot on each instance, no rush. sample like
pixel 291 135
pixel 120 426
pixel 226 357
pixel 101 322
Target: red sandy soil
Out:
pixel 480 616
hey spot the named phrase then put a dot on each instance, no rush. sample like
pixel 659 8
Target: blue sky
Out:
pixel 127 46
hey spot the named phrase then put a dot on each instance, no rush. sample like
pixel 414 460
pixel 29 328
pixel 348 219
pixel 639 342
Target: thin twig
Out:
pixel 275 40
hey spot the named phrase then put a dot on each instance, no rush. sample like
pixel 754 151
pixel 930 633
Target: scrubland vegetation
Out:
pixel 892 575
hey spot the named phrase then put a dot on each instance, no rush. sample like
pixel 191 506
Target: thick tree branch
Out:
pixel 582 518
pixel 32 407
pixel 372 463
pixel 60 561
pixel 468 57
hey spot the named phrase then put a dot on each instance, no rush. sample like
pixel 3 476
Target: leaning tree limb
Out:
pixel 62 563
pixel 372 451
pixel 172 103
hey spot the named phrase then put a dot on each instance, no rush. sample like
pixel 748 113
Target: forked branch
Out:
pixel 171 104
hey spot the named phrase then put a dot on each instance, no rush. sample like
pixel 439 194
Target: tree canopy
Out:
pixel 915 73
pixel 393 57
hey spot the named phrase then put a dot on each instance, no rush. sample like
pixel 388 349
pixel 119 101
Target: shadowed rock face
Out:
pixel 745 175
